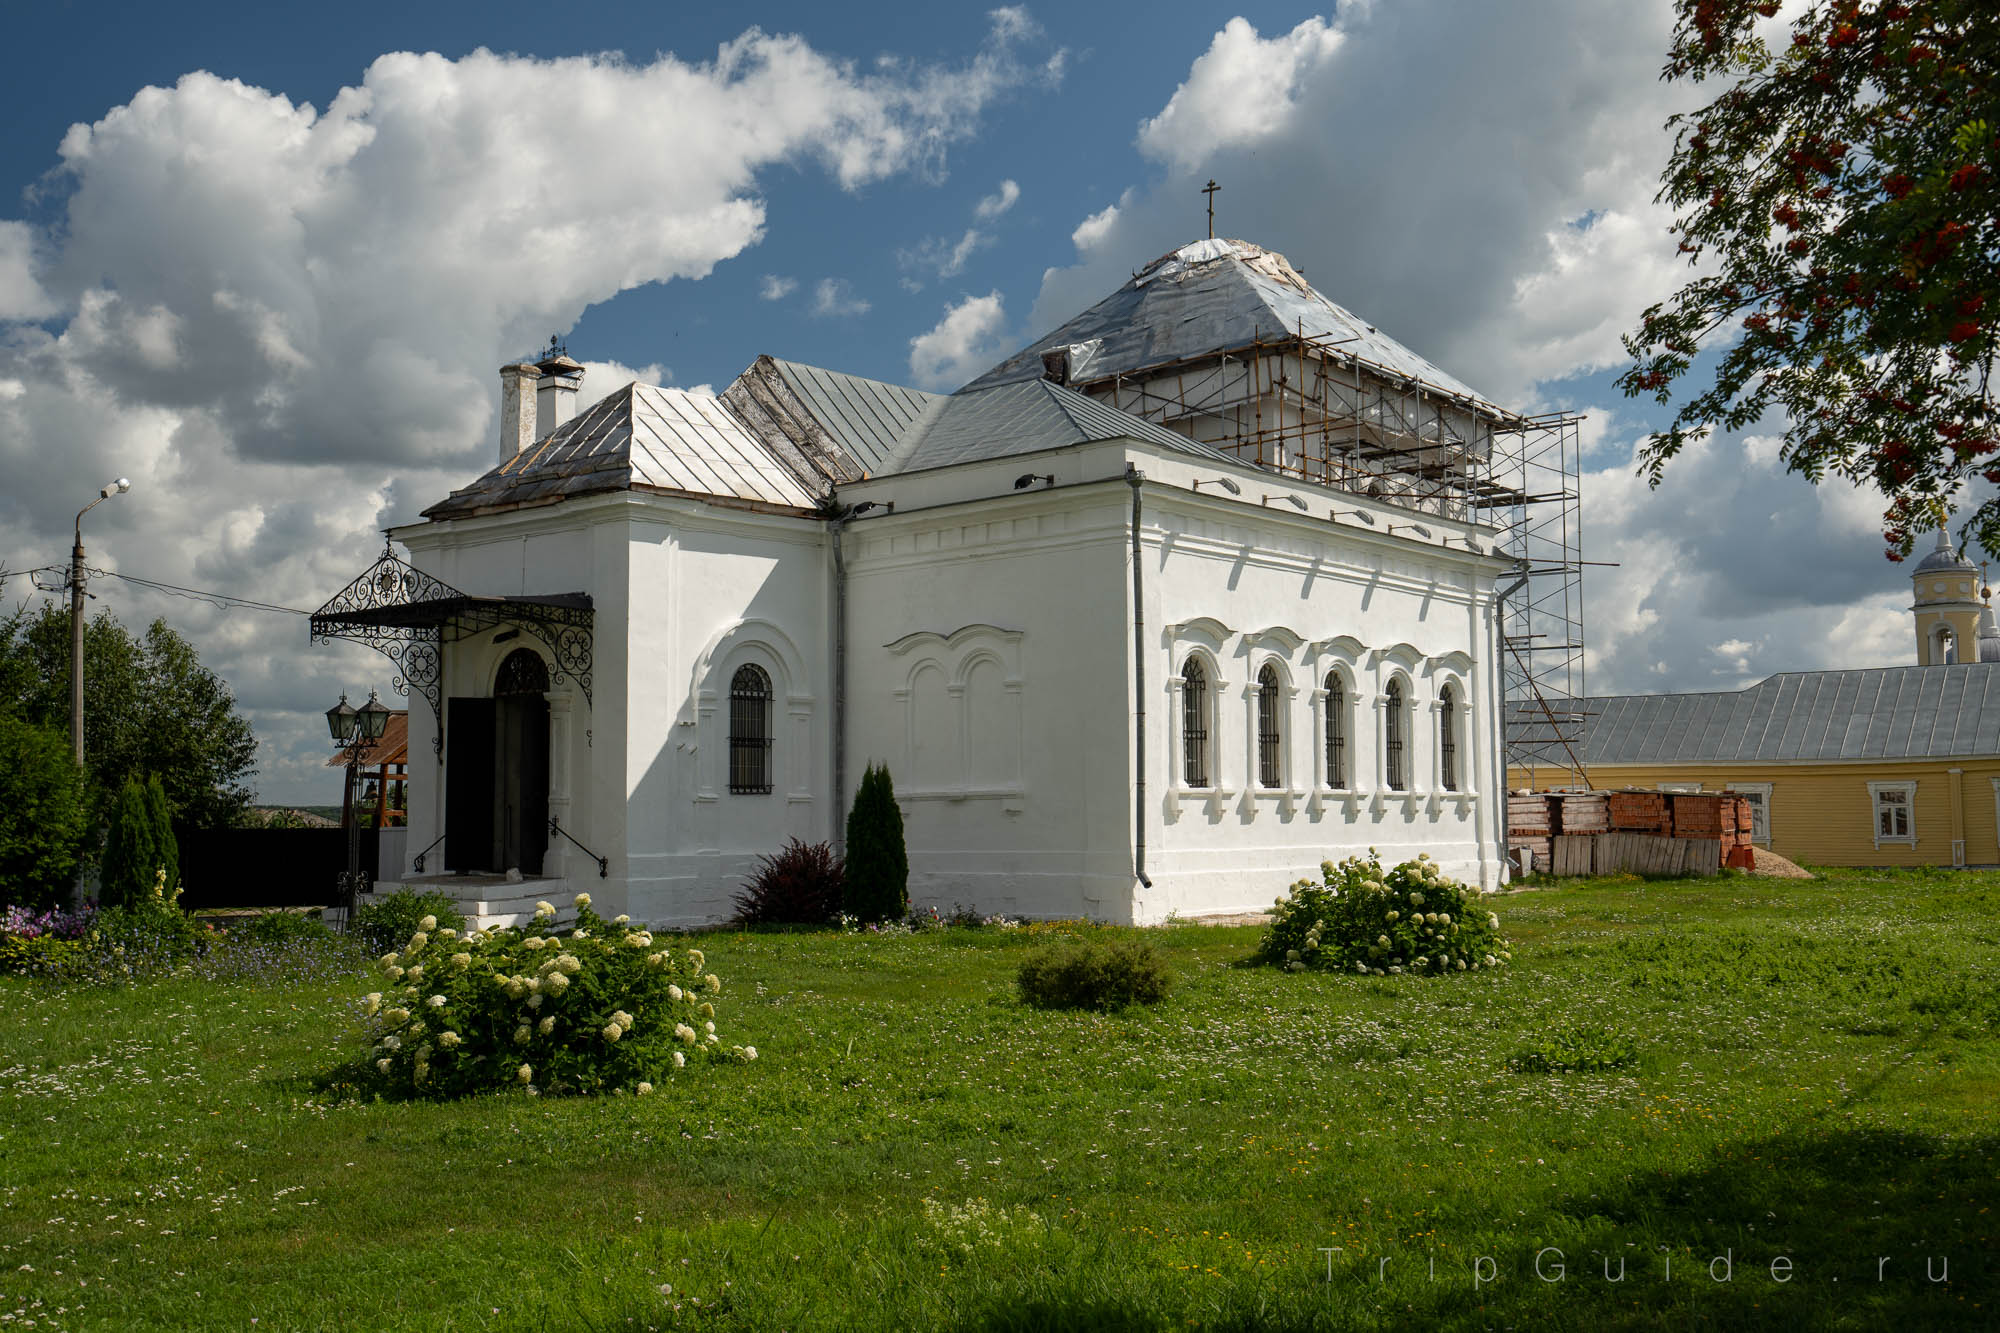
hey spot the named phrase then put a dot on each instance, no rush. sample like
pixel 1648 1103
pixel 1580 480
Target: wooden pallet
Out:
pixel 1647 854
pixel 1573 854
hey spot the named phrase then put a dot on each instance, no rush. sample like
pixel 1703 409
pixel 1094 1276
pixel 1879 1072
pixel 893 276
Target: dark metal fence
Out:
pixel 266 867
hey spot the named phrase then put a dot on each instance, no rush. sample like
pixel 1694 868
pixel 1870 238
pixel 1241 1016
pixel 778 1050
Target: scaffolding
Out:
pixel 1301 406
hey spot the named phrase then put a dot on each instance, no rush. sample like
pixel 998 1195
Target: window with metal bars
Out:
pixel 750 731
pixel 1392 735
pixel 1336 731
pixel 1448 737
pixel 1268 738
pixel 1194 724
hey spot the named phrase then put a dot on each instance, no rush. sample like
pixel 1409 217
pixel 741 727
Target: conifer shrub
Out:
pixel 132 851
pixel 800 885
pixel 876 883
pixel 1093 974
pixel 160 814
pixel 1363 919
pixel 603 1007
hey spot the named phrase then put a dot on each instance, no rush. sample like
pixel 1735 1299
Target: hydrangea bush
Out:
pixel 1363 919
pixel 603 1007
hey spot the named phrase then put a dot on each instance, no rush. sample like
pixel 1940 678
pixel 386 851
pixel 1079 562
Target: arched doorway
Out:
pixel 497 772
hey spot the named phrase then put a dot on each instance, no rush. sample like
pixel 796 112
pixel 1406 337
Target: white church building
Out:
pixel 1145 620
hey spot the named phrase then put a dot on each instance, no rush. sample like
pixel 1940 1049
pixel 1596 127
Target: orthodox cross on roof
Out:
pixel 1209 190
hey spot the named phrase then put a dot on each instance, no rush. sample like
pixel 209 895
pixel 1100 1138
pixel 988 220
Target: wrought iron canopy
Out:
pixel 408 616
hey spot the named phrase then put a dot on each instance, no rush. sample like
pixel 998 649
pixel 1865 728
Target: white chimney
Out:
pixel 555 392
pixel 517 408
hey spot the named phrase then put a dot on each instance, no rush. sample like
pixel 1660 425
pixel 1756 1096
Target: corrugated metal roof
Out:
pixel 828 428
pixel 640 435
pixel 1909 712
pixel 1208 297
pixel 1023 418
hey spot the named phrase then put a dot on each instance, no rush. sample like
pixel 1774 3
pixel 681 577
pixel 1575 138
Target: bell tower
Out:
pixel 1947 606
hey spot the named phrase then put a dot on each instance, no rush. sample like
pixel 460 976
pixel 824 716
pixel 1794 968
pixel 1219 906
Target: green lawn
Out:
pixel 1817 1078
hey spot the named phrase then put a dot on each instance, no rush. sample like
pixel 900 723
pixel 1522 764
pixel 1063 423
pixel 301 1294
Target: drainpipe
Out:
pixel 1133 478
pixel 839 687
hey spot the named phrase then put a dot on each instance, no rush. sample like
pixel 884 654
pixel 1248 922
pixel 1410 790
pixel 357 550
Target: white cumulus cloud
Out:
pixel 993 205
pixel 970 337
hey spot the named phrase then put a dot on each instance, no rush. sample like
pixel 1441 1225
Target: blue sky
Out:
pixel 285 325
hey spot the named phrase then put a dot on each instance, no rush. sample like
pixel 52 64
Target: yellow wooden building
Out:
pixel 1892 766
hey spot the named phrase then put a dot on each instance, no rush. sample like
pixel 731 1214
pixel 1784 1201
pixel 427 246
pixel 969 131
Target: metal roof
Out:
pixel 1908 712
pixel 1208 297
pixel 828 427
pixel 1006 420
pixel 641 435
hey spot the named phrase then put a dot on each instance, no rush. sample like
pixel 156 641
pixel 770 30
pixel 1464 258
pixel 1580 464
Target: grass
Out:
pixel 1804 1069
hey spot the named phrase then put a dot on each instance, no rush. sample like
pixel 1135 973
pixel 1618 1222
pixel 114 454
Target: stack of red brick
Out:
pixel 1537 820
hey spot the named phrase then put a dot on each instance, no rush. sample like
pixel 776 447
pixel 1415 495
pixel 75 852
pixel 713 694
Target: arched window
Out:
pixel 750 731
pixel 1392 736
pixel 523 672
pixel 1448 737
pixel 1336 731
pixel 1267 727
pixel 1194 724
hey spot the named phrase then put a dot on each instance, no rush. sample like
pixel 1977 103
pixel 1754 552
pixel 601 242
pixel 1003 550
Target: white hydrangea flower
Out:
pixel 447 1039
pixel 750 1052
pixel 622 919
pixel 655 959
pixel 461 961
pixel 621 1018
pixel 711 1039
pixel 1444 918
pixel 1394 914
pixel 696 959
pixel 556 982
pixel 535 943
pixel 371 1003
pixel 428 923
pixel 645 1089
pixel 1291 955
pixel 1416 898
pixel 418 941
pixel 392 1042
pixel 523 1035
pixel 436 1002
pixel 582 901
pixel 612 1032
pixel 706 1010
pixel 568 964
pixel 680 1061
pixel 675 993
pixel 1493 920
pixel 416 973
pixel 393 972
pixel 447 934
pixel 534 1001
pixel 545 909
pixel 389 960
pixel 708 1027
pixel 684 1034
pixel 525 1073
pixel 579 935
pixel 398 1015
pixel 547 1025
pixel 382 1065
pixel 713 982
pixel 1360 966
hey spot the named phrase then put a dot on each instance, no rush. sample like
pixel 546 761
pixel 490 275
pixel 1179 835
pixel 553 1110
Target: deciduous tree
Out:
pixel 1840 202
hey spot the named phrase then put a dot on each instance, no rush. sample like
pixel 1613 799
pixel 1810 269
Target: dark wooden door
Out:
pixel 468 784
pixel 520 816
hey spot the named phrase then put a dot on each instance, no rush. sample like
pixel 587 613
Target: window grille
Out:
pixel 523 672
pixel 1392 733
pixel 1447 737
pixel 1194 731
pixel 750 731
pixel 1336 731
pixel 1267 727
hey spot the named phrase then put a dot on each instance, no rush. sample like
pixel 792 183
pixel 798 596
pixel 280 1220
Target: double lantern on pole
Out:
pixel 76 588
pixel 354 729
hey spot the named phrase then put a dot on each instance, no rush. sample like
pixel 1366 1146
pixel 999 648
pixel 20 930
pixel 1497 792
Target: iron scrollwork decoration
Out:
pixel 408 616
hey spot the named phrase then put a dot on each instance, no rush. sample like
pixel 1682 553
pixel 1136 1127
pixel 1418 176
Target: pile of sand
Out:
pixel 1771 864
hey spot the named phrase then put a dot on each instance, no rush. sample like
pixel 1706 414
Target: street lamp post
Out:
pixel 354 729
pixel 118 487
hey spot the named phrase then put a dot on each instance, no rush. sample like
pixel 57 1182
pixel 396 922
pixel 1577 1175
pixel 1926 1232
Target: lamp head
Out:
pixel 340 720
pixel 374 718
pixel 118 487
pixel 1022 482
pixel 1296 502
pixel 1224 482
pixel 1361 514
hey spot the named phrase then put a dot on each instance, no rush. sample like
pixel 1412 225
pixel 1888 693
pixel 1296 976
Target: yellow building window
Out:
pixel 1894 820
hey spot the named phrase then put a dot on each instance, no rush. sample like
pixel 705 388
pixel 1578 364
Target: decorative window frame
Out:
pixel 767 724
pixel 1454 670
pixel 1345 656
pixel 766 645
pixel 1400 664
pixel 1206 639
pixel 1177 730
pixel 1278 648
pixel 1450 778
pixel 1875 792
pixel 955 655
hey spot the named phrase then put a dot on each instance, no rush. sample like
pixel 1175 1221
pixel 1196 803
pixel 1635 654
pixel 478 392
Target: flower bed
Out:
pixel 1362 919
pixel 602 1008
